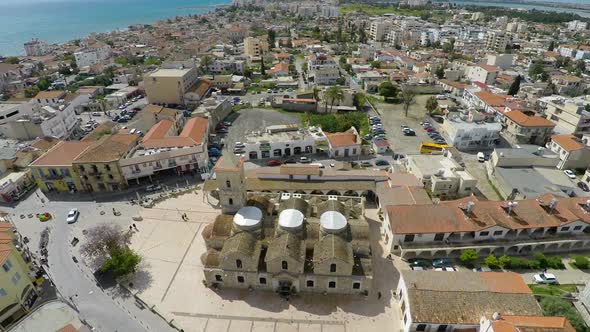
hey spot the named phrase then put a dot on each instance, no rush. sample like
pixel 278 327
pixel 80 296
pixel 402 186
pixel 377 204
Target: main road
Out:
pixel 104 310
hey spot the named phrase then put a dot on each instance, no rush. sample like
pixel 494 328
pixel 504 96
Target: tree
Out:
pixel 491 261
pixel 359 100
pixel 388 90
pixel 504 261
pixel 536 71
pixel 431 104
pixel 469 256
pixel 248 72
pixel 206 61
pixel 271 38
pixel 551 46
pixel 334 94
pixel 375 64
pixel 103 241
pixel 44 84
pixel 440 72
pixel 515 86
pixel 122 261
pixel 31 92
pixel 262 69
pixel 121 60
pixel 408 98
pixel 12 60
pixel 555 306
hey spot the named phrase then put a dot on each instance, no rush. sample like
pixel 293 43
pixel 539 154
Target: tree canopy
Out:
pixel 388 90
pixel 515 86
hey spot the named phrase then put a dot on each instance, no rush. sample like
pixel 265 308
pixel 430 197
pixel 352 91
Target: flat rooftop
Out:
pixel 170 72
pixel 461 124
pixel 9 105
pixel 432 164
pixel 297 135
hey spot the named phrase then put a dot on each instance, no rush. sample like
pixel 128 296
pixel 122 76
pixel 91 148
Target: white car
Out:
pixel 446 268
pixel 418 268
pixel 96 114
pixel 304 160
pixel 72 216
pixel 570 174
pixel 482 269
pixel 545 278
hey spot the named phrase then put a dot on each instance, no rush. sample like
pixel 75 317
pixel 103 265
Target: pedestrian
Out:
pixel 135 227
pixel 131 228
pixel 379 295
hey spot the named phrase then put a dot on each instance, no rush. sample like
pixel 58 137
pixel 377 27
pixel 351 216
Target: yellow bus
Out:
pixel 432 148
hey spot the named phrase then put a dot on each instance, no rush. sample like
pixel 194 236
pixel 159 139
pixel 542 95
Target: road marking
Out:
pixel 260 319
pixel 181 261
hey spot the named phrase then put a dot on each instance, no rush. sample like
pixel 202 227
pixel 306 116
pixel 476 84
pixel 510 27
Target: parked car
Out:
pixel 545 278
pixel 446 269
pixel 153 187
pixel 214 152
pixel 583 186
pixel 481 157
pixel 425 124
pixel 96 114
pixel 72 216
pixel 274 162
pixel 441 97
pixel 227 123
pixel 429 129
pixel 409 132
pixel 368 137
pixel 222 131
pixel 366 163
pixel 418 268
pixel 420 262
pixel 433 133
pixel 290 161
pixel 482 269
pixel 381 162
pixel 440 141
pixel 570 174
pixel 44 216
pixel 304 160
pixel 440 262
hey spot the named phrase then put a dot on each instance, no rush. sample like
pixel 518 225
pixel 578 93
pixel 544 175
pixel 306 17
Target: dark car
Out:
pixel 222 131
pixel 274 162
pixel 290 161
pixel 583 186
pixel 433 133
pixel 214 152
pixel 442 262
pixel 409 133
pixel 382 162
pixel 420 262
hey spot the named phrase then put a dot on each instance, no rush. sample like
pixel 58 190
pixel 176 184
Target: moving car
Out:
pixel 274 162
pixel 72 216
pixel 481 157
pixel 95 113
pixel 545 278
pixel 570 174
pixel 583 186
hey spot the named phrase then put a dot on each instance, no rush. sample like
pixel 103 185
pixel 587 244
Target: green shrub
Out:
pixel 492 262
pixel 518 263
pixel 554 306
pixel 504 261
pixel 468 257
pixel 541 259
pixel 555 262
pixel 581 262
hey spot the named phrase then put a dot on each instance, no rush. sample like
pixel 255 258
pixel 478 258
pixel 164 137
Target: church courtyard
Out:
pixel 171 280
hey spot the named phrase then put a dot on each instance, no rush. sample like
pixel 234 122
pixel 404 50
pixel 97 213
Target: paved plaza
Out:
pixel 172 280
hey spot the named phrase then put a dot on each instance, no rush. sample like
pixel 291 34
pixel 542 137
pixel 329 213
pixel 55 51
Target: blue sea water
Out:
pixel 583 13
pixel 57 21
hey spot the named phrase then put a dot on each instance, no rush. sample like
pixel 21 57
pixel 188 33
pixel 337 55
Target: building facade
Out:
pixel 169 85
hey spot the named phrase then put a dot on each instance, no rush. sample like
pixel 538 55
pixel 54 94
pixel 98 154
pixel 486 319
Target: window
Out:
pixel 262 281
pixel 356 285
pixel 240 279
pixel 405 319
pixel 228 184
pixel 238 263
pixel 484 233
pixel 2 292
pixel 439 236
pixel 442 328
pixel 230 201
pixel 577 228
pixel 337 153
pixel 498 233
pixel 409 238
pixel 421 327
pixel 284 265
pixel 565 229
pixel 309 283
pixel 332 267
pixel 7 266
pixel 15 278
pixel 332 284
pixel 218 278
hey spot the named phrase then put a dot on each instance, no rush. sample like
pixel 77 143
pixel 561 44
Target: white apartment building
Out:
pixel 284 141
pixel 232 65
pixel 442 176
pixel 322 69
pixel 471 132
pixel 568 114
pixel 394 37
pixel 55 121
pixel 483 73
pixel 36 47
pixel 378 29
pixel 162 150
pixel 496 40
pixel 502 61
pixel 92 54
pixel 577 25
pixel 329 11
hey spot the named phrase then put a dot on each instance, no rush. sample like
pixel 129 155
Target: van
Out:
pixel 481 157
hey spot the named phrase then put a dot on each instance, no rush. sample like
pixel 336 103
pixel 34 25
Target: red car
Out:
pixel 429 129
pixel 274 162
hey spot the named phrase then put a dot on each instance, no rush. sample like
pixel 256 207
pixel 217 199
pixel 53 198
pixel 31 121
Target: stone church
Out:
pixel 286 243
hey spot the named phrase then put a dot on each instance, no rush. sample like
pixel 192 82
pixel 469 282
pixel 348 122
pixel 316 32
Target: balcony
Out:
pixel 157 166
pixel 136 171
pixel 53 176
pixel 172 164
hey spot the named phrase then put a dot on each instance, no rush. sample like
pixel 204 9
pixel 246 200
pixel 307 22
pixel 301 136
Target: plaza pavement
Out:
pixel 172 274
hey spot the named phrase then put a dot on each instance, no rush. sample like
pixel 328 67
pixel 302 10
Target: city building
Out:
pixel 378 29
pixel 92 54
pixel 464 300
pixel 36 47
pixel 169 85
pixel 472 131
pixel 322 69
pixel 216 109
pixel 573 152
pixel 483 73
pixel 17 292
pixel 501 61
pixel 255 47
pixel 576 25
pixel 568 114
pixel 54 170
pixel 98 166
pixel 287 243
pixel 442 176
pixel 280 141
pixel 547 223
pixel 496 40
pixel 344 145
pixel 520 128
pixel 54 315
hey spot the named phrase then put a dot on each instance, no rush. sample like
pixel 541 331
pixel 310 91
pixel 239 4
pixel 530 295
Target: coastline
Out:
pixel 582 10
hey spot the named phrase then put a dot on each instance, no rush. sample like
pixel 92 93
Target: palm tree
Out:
pixel 334 94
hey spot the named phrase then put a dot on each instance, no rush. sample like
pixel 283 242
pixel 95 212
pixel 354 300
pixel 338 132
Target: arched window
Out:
pixel 238 263
pixel 332 267
pixel 228 184
pixel 285 265
pixel 231 201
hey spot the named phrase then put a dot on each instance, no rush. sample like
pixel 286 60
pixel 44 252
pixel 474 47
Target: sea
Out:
pixel 58 21
pixel 583 13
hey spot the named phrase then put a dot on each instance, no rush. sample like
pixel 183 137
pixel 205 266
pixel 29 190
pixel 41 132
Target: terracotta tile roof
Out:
pixel 491 99
pixel 481 85
pixel 108 148
pixel 68 328
pixel 5 251
pixel 44 143
pixel 568 142
pixel 490 68
pixel 196 129
pixel 159 130
pixel 342 139
pixel 532 324
pixel 62 154
pixel 202 87
pixel 49 94
pixel 300 169
pixel 280 67
pixel 451 216
pixel 456 85
pixel 524 120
